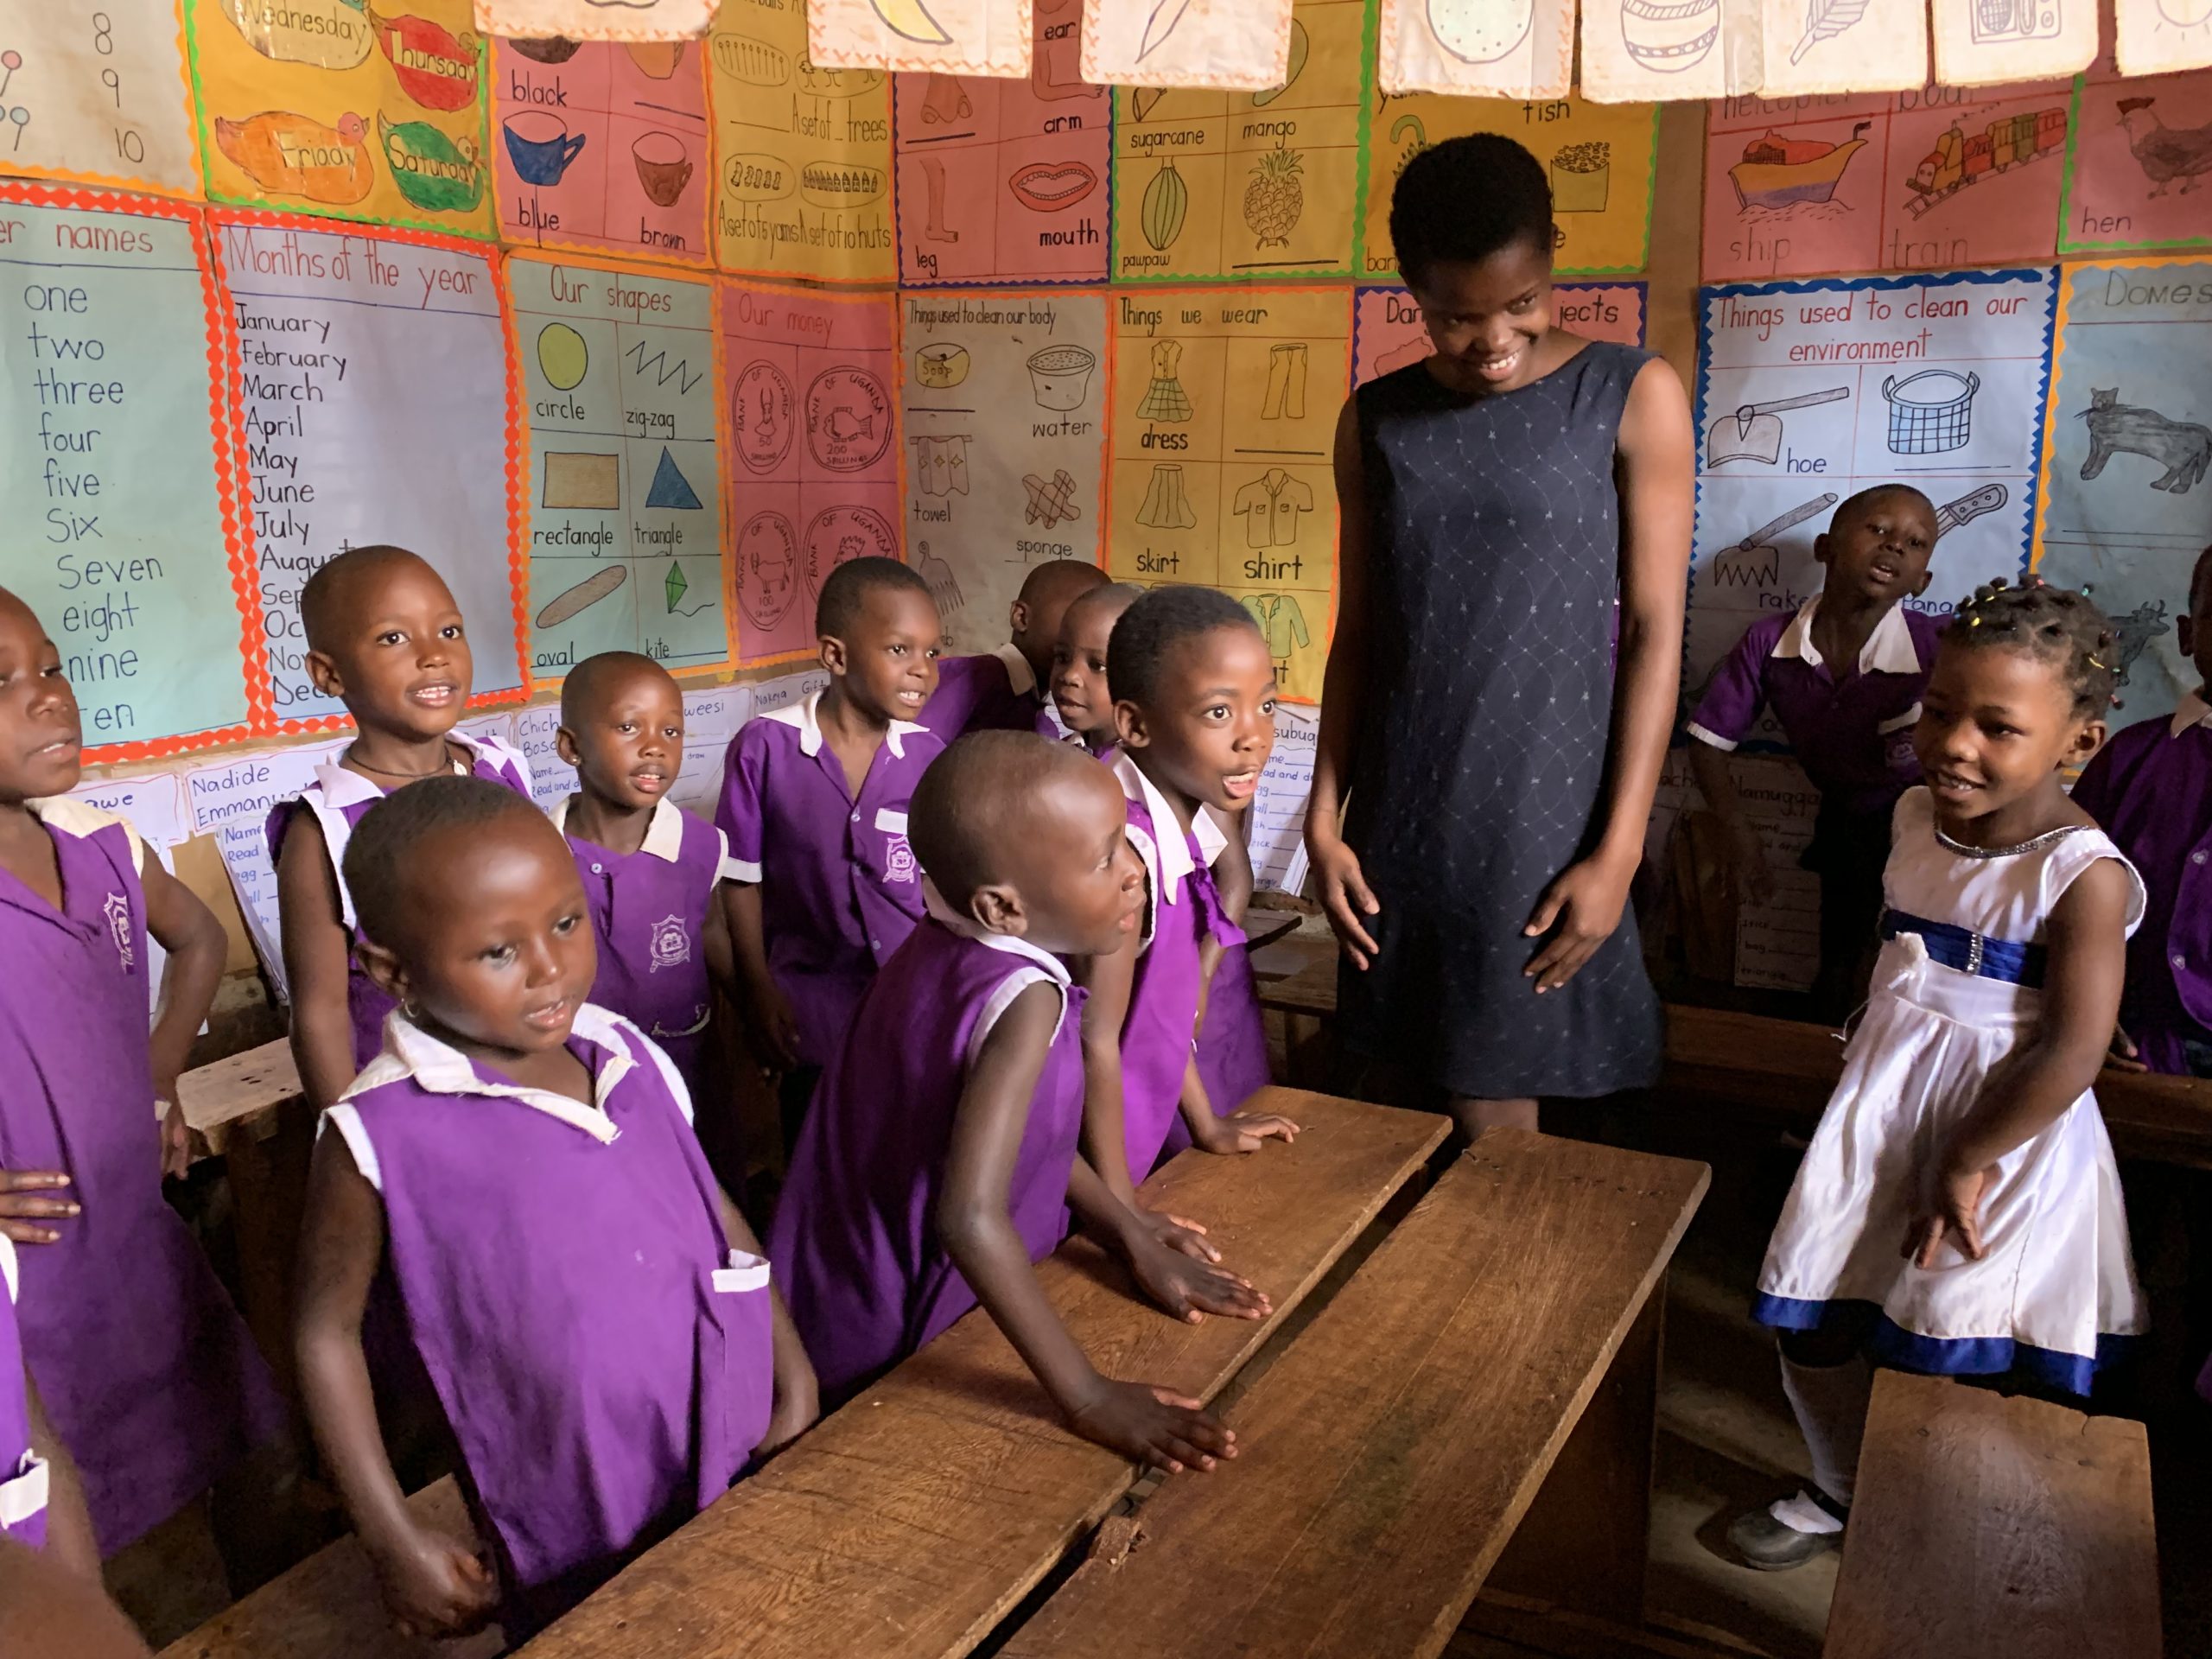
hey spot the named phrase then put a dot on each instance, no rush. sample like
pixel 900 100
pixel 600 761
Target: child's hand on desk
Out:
pixel 1176 1233
pixel 1949 1206
pixel 2123 1056
pixel 176 1141
pixel 771 1027
pixel 23 1207
pixel 1156 1427
pixel 1345 895
pixel 1243 1132
pixel 434 1585
pixel 1188 1288
pixel 1584 903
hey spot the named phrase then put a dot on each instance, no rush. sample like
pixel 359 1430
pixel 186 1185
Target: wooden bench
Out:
pixel 243 1097
pixel 1988 1525
pixel 908 1524
pixel 1389 1455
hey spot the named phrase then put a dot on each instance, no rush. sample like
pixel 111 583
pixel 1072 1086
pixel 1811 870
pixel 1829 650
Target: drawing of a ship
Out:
pixel 1780 172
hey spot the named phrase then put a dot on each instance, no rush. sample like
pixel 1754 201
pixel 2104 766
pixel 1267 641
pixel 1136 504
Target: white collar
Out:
pixel 1888 649
pixel 801 718
pixel 1175 851
pixel 411 1053
pixel 1020 678
pixel 341 788
pixel 2192 710
pixel 663 835
pixel 968 928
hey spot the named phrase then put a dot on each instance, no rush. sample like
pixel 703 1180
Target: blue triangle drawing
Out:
pixel 671 488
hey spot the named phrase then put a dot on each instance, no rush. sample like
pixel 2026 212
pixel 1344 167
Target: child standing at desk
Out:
pixel 1010 690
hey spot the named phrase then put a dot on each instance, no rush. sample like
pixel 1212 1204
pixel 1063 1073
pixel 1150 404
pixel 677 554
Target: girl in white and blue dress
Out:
pixel 1959 1210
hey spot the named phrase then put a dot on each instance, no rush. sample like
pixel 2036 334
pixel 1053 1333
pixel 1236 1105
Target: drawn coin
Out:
pixel 767 568
pixel 848 419
pixel 762 408
pixel 840 534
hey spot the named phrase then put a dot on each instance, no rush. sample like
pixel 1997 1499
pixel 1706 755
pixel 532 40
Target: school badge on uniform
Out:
pixel 898 861
pixel 117 911
pixel 671 943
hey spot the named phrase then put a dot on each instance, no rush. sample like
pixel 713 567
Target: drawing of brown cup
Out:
pixel 663 168
pixel 659 58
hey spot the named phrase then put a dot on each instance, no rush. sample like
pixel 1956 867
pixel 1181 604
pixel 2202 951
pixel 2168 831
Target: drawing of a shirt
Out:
pixel 941 465
pixel 1280 619
pixel 1164 399
pixel 1271 504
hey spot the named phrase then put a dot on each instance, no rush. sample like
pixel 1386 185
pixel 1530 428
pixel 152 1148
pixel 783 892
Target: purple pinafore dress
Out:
pixel 650 909
pixel 339 799
pixel 855 1238
pixel 145 1368
pixel 22 1473
pixel 562 1269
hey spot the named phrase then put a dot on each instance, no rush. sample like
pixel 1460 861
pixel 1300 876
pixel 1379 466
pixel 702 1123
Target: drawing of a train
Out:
pixel 1958 161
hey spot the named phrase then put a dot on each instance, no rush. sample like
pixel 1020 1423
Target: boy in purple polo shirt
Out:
pixel 814 805
pixel 1010 690
pixel 1843 675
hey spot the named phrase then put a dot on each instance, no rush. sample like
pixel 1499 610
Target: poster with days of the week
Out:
pixel 98 94
pixel 1006 180
pixel 122 532
pixel 1810 392
pixel 375 408
pixel 1387 333
pixel 1003 405
pixel 2126 505
pixel 624 494
pixel 810 434
pixel 1225 414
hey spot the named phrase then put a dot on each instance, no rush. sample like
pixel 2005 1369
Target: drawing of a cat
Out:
pixel 2183 447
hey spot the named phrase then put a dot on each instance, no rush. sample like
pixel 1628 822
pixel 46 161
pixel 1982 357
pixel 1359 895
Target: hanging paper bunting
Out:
pixel 950 37
pixel 1479 48
pixel 1843 46
pixel 1237 45
pixel 595 20
pixel 2155 37
pixel 1998 43
pixel 1658 51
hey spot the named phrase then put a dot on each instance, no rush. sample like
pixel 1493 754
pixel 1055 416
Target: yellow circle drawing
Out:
pixel 562 355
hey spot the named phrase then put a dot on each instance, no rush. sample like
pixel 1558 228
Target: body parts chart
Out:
pixel 810 431
pixel 1387 333
pixel 1225 405
pixel 99 94
pixel 624 505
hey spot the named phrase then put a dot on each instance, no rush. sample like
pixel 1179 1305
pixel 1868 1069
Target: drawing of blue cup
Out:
pixel 541 145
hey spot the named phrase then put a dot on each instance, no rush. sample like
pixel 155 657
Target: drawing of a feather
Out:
pixel 1167 14
pixel 1824 19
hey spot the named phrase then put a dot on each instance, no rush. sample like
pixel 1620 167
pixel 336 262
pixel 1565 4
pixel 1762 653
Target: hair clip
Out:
pixel 1974 621
pixel 2093 663
pixel 2087 590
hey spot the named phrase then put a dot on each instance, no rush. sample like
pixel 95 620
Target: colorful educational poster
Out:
pixel 1940 178
pixel 340 109
pixel 1818 47
pixel 1476 48
pixel 802 154
pixel 2156 36
pixel 1599 157
pixel 949 37
pixel 1810 392
pixel 811 427
pixel 98 95
pixel 1180 44
pixel 373 381
pixel 2141 152
pixel 2127 506
pixel 1387 333
pixel 1979 44
pixel 1006 180
pixel 604 148
pixel 1002 401
pixel 116 484
pixel 1211 184
pixel 1225 415
pixel 1658 51
pixel 653 20
pixel 625 490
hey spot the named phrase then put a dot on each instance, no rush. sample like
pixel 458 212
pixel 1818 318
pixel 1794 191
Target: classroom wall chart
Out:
pixel 1387 333
pixel 98 95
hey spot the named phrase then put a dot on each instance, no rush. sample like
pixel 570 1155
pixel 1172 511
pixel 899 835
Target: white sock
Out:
pixel 1801 1514
pixel 1830 1404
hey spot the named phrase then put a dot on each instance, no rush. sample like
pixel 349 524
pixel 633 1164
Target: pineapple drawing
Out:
pixel 1275 197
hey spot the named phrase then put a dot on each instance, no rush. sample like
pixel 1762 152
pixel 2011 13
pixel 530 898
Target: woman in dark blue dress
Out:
pixel 1490 745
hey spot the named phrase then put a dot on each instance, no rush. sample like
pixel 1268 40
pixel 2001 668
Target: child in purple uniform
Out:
pixel 593 1313
pixel 1843 675
pixel 814 805
pixel 148 1370
pixel 1194 701
pixel 939 1159
pixel 1010 690
pixel 42 1500
pixel 652 872
pixel 385 638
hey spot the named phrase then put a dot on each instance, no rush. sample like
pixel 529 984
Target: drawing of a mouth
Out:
pixel 1053 186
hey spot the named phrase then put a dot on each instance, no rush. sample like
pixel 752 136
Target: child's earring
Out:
pixel 414 1014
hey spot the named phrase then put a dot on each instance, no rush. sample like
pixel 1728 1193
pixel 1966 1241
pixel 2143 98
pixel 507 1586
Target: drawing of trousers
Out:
pixel 1164 507
pixel 1285 382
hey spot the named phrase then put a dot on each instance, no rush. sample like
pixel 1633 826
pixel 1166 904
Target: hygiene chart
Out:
pixel 810 431
pixel 1006 180
pixel 1002 408
pixel 344 110
pixel 624 492
pixel 802 154
pixel 1225 406
pixel 1387 332
pixel 2137 153
pixel 119 487
pixel 1808 393
pixel 373 384
pixel 1598 157
pixel 2127 441
pixel 603 148
pixel 98 94
pixel 1209 184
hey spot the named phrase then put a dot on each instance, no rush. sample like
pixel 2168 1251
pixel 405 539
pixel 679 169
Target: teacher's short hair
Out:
pixel 1465 198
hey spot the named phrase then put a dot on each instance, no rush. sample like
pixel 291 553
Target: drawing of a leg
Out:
pixel 933 225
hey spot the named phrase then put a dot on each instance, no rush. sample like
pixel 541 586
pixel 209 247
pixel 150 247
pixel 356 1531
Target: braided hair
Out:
pixel 2062 625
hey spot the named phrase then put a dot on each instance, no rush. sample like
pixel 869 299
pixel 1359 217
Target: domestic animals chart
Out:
pixel 2141 164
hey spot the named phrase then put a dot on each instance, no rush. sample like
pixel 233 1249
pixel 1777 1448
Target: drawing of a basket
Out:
pixel 1931 413
pixel 1060 376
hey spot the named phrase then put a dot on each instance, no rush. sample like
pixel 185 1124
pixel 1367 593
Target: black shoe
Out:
pixel 1765 1540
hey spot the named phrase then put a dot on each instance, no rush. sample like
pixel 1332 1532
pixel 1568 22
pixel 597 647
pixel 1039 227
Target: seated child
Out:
pixel 814 805
pixel 939 1158
pixel 1843 675
pixel 42 1500
pixel 2151 790
pixel 652 872
pixel 1194 702
pixel 1011 688
pixel 152 1381
pixel 385 638
pixel 1963 1125
pixel 594 1316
